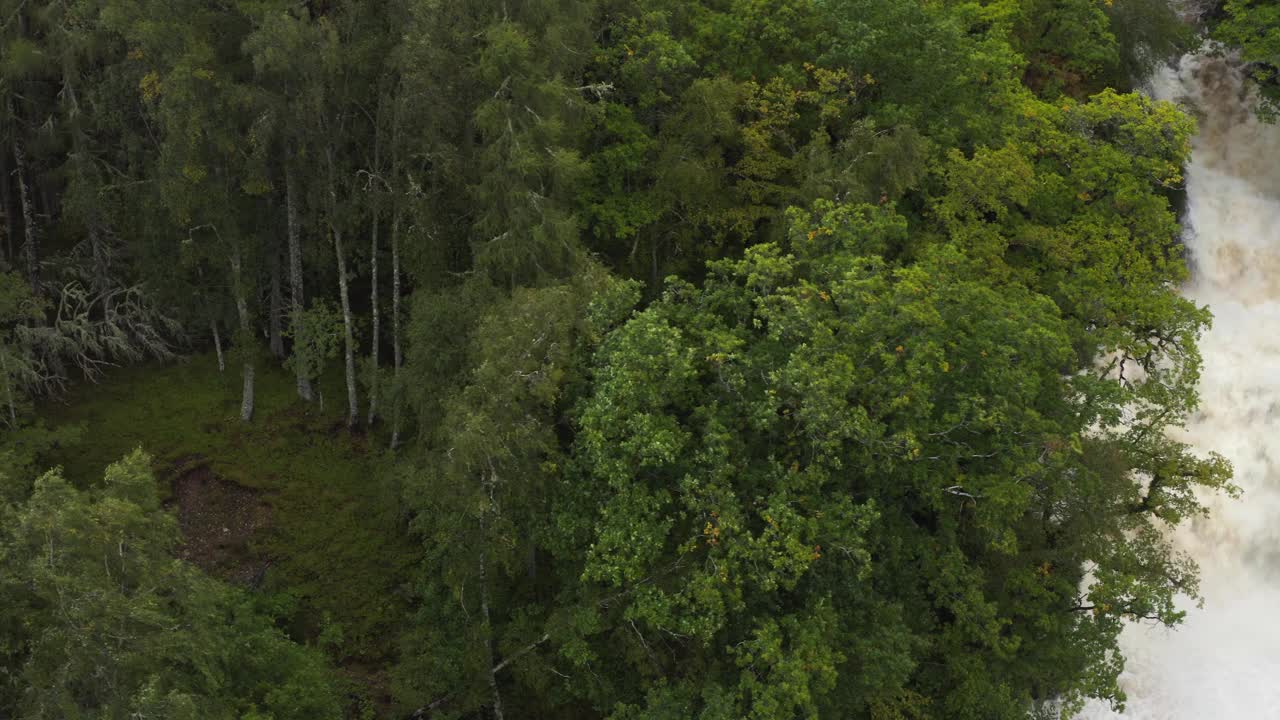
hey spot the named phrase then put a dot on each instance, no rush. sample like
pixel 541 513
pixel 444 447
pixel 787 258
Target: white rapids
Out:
pixel 1223 662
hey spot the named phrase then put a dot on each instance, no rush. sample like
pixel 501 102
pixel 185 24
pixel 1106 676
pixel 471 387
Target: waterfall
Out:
pixel 1224 661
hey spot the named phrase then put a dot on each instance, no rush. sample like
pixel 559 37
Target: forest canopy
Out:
pixel 684 358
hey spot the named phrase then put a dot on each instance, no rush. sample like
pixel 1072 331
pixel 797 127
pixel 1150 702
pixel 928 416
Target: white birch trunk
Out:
pixel 373 268
pixel 348 340
pixel 246 332
pixel 353 405
pixel 8 386
pixel 373 298
pixel 217 345
pixel 395 328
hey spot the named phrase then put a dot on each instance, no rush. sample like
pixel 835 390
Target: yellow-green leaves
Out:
pixel 754 448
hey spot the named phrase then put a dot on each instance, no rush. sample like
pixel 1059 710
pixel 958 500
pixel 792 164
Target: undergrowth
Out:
pixel 338 550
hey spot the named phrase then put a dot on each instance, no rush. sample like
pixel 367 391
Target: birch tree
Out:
pixel 288 82
pixel 196 89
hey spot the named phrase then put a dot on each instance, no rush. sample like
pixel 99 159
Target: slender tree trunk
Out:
pixel 277 303
pixel 8 387
pixel 373 299
pixel 31 248
pixel 246 332
pixel 397 213
pixel 101 257
pixel 213 325
pixel 48 202
pixel 217 345
pixel 395 327
pixel 496 696
pixel 348 339
pixel 101 267
pixel 353 405
pixel 246 396
pixel 99 253
pixel 373 268
pixel 295 272
pixel 6 207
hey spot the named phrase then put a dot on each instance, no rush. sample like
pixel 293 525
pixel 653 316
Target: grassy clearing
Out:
pixel 336 544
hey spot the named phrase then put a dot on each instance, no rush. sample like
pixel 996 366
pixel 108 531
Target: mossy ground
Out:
pixel 336 542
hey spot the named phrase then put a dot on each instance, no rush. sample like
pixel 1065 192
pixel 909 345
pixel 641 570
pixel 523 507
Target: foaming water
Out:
pixel 1223 662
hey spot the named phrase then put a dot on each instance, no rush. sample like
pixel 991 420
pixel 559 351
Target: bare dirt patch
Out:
pixel 219 520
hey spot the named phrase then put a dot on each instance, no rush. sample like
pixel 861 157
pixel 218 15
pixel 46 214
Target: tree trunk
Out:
pixel 246 394
pixel 395 327
pixel 246 332
pixel 31 248
pixel 101 267
pixel 217 346
pixel 496 696
pixel 397 398
pixel 295 272
pixel 7 208
pixel 8 386
pixel 48 202
pixel 349 353
pixel 373 267
pixel 101 256
pixel 373 299
pixel 276 337
pixel 348 339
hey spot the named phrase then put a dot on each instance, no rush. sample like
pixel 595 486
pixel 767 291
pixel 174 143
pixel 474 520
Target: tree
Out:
pixel 285 81
pixel 481 494
pixel 113 626
pixel 1075 205
pixel 822 485
pixel 1253 26
pixel 749 358
pixel 196 90
pixel 314 333
pixel 19 368
pixel 1148 33
pixel 523 155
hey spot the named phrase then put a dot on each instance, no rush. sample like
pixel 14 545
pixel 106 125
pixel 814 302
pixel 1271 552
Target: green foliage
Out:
pixel 1068 44
pixel 760 358
pixel 21 371
pixel 112 626
pixel 1147 32
pixel 316 333
pixel 328 515
pixel 480 494
pixel 1074 205
pixel 1253 26
pixel 814 440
